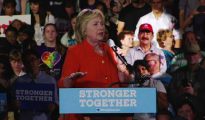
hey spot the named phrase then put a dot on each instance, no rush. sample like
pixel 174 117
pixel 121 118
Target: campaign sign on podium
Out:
pixel 107 100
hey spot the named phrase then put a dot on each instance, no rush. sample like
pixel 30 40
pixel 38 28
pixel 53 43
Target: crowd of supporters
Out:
pixel 163 40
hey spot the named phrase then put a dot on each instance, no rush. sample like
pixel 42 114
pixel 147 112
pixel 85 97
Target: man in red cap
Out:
pixel 145 36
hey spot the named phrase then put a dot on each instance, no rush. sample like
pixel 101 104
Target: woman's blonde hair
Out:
pixel 163 34
pixel 82 20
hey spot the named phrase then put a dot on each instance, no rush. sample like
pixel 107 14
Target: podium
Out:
pixel 107 100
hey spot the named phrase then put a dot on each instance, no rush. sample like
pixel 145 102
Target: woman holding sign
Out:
pixel 91 63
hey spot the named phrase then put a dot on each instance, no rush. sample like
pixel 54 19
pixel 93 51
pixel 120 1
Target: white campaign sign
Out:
pixel 5 21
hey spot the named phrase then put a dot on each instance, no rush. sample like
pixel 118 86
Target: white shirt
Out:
pixel 165 21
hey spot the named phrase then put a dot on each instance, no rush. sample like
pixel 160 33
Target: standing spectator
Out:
pixel 199 23
pixel 36 76
pixel 4 86
pixel 130 15
pixel 15 59
pixel 1 5
pixel 159 19
pixel 186 110
pixel 179 59
pixel 166 41
pixel 78 70
pixel 189 80
pixel 186 8
pixel 25 38
pixel 11 39
pixel 145 36
pixel 51 51
pixel 39 18
pixel 68 39
pixel 115 9
pixel 9 8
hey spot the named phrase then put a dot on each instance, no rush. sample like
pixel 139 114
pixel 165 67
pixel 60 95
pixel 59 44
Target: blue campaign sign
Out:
pixel 107 100
pixel 34 96
pixel 3 101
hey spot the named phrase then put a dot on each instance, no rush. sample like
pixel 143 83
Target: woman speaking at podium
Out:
pixel 91 63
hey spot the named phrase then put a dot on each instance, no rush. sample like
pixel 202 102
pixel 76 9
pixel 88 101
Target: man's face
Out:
pixel 193 58
pixel 157 5
pixel 145 37
pixel 186 112
pixel 153 63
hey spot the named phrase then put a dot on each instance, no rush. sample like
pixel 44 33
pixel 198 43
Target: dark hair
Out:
pixel 140 63
pixel 15 55
pixel 28 30
pixel 185 100
pixel 13 29
pixel 7 2
pixel 122 36
pixel 42 13
pixel 71 31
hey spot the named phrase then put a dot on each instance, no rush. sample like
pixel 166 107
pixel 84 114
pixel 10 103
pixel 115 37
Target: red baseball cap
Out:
pixel 146 27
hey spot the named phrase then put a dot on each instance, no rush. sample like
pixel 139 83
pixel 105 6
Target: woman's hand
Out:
pixel 73 76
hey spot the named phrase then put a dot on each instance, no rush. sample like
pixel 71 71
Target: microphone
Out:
pixel 122 58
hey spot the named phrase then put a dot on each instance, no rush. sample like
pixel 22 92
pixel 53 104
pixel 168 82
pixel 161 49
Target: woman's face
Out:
pixel 95 30
pixel 50 33
pixel 9 9
pixel 34 8
pixel 167 43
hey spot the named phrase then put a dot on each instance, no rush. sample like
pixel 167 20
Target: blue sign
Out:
pixel 34 96
pixel 107 100
pixel 3 101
